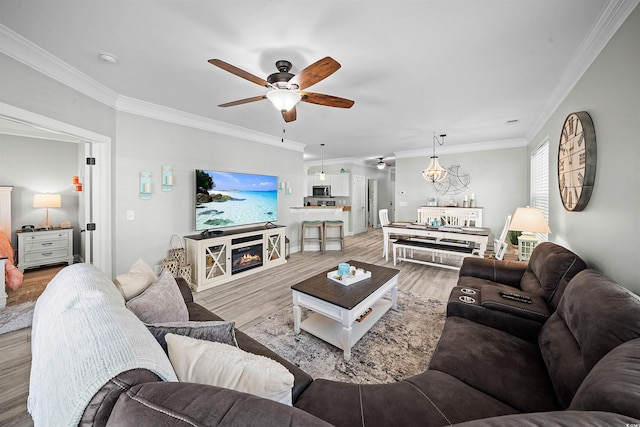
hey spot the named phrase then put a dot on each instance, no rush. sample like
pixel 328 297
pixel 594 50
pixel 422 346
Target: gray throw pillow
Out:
pixel 216 331
pixel 161 302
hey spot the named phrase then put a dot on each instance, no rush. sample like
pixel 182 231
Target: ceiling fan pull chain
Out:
pixel 283 133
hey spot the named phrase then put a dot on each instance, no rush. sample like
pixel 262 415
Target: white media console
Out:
pixel 217 259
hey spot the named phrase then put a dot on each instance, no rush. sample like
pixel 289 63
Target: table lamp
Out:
pixel 46 201
pixel 529 221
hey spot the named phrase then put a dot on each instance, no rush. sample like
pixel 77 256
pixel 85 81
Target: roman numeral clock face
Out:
pixel 576 161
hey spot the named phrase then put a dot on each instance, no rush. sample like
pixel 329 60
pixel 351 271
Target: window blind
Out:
pixel 539 187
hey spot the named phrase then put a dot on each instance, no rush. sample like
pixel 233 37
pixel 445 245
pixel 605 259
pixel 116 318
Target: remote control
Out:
pixel 516 297
pixel 513 294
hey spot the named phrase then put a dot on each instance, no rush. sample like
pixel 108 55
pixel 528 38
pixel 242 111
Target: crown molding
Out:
pixel 342 160
pixel 40 122
pixel 166 114
pixel 612 17
pixel 464 148
pixel 22 50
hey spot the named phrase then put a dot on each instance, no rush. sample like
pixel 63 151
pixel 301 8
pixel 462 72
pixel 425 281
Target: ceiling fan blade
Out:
pixel 240 73
pixel 290 115
pixel 243 101
pixel 326 100
pixel 315 72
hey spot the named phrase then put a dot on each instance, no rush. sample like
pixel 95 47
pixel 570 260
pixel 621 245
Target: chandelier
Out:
pixel 434 172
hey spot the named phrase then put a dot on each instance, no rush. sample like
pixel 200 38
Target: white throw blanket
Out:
pixel 82 336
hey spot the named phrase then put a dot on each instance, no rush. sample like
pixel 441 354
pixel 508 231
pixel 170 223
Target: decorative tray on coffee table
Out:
pixel 347 280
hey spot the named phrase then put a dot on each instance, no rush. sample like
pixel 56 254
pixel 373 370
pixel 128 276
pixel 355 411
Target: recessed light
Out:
pixel 108 58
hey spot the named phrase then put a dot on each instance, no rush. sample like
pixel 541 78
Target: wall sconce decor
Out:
pixel 76 183
pixel 167 178
pixel 287 189
pixel 281 184
pixel 145 185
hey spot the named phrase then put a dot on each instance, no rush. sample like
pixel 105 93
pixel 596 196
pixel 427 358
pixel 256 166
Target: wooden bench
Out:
pixel 434 248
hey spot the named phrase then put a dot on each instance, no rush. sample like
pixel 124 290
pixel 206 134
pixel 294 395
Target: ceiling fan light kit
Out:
pixel 286 88
pixel 283 99
pixel 434 172
pixel 381 164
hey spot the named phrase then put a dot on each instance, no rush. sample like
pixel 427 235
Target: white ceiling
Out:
pixel 460 67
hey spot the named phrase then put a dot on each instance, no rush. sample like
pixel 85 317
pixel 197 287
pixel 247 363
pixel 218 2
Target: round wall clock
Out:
pixel 577 161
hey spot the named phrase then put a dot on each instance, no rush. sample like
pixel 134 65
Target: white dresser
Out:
pixel 44 247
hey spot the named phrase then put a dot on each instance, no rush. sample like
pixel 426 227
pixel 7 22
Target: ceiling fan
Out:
pixel 287 89
pixel 381 163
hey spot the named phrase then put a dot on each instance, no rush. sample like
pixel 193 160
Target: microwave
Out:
pixel 321 191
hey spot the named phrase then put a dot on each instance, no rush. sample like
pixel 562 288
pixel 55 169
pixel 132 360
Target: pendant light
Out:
pixel 322 175
pixel 434 172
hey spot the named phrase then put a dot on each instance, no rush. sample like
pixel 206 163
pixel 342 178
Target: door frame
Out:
pixel 100 194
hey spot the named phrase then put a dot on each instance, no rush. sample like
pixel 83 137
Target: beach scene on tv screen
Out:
pixel 226 199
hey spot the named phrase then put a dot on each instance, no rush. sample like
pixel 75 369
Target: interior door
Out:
pixel 373 203
pixel 359 204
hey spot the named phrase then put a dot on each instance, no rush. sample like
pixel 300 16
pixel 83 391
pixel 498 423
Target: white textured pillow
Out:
pixel 222 365
pixel 139 277
pixel 161 302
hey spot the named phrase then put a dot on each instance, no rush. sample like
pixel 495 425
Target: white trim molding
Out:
pixel 464 148
pixel 166 114
pixel 22 50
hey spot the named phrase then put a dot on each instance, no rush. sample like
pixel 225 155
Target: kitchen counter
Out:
pixel 302 208
pixel 323 213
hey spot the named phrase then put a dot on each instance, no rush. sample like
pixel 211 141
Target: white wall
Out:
pixel 499 179
pixel 605 233
pixel 144 144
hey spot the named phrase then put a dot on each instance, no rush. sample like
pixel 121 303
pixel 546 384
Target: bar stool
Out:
pixel 339 238
pixel 319 240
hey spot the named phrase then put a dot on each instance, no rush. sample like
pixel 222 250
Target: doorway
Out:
pixel 96 196
pixel 373 203
pixel 359 204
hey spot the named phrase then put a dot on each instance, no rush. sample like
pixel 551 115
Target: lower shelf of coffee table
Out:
pixel 331 331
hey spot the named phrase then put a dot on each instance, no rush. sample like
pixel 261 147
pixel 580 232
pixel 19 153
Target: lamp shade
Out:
pixel 47 200
pixel 283 99
pixel 529 220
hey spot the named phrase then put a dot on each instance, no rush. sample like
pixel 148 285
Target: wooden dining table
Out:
pixel 479 235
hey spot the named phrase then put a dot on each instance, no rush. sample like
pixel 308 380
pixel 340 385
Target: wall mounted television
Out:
pixel 230 199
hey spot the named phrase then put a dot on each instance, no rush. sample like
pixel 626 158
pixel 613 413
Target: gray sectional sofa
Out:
pixel 580 367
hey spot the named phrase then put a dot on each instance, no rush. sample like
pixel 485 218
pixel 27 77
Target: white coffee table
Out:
pixel 336 307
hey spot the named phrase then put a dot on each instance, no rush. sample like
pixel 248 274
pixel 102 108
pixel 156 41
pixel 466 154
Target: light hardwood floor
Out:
pixel 246 301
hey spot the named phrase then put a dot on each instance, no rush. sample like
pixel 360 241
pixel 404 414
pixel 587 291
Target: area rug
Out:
pixel 398 346
pixel 18 313
pixel 16 317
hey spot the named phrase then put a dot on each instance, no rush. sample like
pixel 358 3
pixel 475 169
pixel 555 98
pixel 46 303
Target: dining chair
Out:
pixel 500 245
